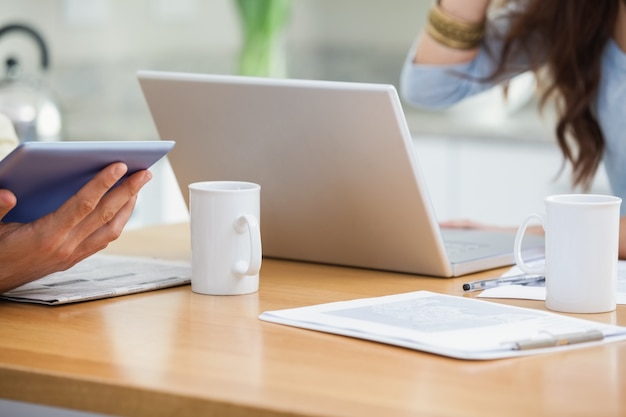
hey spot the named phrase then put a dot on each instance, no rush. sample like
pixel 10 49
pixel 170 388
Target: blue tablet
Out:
pixel 43 175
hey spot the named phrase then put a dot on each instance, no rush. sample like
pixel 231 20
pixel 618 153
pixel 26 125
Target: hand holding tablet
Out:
pixel 43 175
pixel 72 198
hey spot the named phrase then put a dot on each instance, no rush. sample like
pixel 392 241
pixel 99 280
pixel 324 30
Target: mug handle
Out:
pixel 252 267
pixel 517 247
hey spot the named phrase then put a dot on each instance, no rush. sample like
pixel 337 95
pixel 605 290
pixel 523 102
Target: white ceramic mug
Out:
pixel 582 236
pixel 226 249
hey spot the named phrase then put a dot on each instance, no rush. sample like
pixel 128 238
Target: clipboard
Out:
pixel 457 327
pixel 43 175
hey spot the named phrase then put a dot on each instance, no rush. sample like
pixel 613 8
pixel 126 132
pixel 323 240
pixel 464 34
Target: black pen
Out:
pixel 498 282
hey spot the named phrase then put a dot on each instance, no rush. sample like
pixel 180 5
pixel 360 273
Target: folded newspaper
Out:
pixel 103 276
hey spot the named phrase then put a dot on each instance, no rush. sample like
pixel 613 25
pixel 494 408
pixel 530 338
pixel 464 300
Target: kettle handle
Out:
pixel 36 36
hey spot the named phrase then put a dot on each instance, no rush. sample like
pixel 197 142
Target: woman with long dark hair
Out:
pixel 577 48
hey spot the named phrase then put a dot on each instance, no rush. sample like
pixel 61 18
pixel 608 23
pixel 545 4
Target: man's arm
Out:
pixel 82 226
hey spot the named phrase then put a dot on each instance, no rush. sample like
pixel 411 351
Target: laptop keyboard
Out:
pixel 457 249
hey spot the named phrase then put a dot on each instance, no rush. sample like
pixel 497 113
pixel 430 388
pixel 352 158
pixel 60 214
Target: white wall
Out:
pixel 96 46
pixel 493 181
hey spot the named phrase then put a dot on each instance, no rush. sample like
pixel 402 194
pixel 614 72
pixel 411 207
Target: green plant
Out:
pixel 263 23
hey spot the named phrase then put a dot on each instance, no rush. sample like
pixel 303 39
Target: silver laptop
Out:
pixel 340 181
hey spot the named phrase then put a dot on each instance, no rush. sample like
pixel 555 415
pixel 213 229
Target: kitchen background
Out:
pixel 486 159
pixel 489 159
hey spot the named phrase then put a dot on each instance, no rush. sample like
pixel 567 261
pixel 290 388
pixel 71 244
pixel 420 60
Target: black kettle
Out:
pixel 35 115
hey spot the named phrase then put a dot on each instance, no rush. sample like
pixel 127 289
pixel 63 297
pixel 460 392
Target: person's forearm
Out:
pixel 430 51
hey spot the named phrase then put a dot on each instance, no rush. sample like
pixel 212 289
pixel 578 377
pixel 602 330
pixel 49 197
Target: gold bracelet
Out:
pixel 453 32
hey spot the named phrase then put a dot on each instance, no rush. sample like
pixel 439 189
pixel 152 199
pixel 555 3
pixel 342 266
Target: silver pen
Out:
pixel 498 282
pixel 559 340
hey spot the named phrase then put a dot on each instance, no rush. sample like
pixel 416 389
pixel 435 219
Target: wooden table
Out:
pixel 176 353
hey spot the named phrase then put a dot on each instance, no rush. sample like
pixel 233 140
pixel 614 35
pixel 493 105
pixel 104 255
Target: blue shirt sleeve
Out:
pixel 441 86
pixel 438 87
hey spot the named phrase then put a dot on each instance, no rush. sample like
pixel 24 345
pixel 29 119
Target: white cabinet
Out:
pixel 492 181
